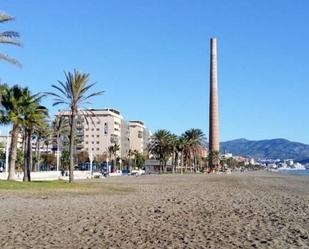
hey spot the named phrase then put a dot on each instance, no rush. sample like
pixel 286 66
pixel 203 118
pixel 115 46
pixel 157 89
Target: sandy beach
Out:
pixel 249 210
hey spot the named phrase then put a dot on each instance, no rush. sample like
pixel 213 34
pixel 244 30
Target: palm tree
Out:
pixel 161 146
pixel 174 151
pixel 60 127
pixel 139 159
pixel 4 88
pixel 130 154
pixel 41 133
pixel 13 104
pixel 8 37
pixel 34 115
pixel 182 145
pixel 112 150
pixel 73 94
pixel 196 139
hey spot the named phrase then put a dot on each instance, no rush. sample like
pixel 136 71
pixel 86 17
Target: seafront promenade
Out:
pixel 241 210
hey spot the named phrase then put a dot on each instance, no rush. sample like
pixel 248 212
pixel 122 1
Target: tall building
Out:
pixel 103 131
pixel 125 138
pixel 139 136
pixel 97 129
pixel 213 104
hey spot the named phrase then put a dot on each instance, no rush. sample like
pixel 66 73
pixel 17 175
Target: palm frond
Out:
pixel 9 40
pixel 92 95
pixel 5 17
pixel 10 60
pixel 61 102
pixel 10 34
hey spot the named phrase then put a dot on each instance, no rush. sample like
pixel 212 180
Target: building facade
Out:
pixel 98 129
pixel 139 136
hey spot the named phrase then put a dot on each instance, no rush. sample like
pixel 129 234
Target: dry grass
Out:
pixel 62 187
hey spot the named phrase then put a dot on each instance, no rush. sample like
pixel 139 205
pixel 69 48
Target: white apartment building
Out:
pixel 139 136
pixel 103 128
pixel 4 139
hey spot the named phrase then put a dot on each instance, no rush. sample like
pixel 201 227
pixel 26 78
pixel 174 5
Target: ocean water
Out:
pixel 296 172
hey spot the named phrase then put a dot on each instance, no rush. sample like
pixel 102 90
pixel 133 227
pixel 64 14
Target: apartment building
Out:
pixel 101 130
pixel 4 139
pixel 97 129
pixel 139 136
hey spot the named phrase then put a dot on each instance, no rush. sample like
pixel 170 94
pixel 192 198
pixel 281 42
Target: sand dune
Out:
pixel 251 210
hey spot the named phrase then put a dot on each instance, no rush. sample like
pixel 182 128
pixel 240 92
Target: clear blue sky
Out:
pixel 152 59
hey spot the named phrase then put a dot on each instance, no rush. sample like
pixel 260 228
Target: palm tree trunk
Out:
pixel 47 147
pixel 173 162
pixel 194 161
pixel 58 152
pixel 190 161
pixel 36 153
pixel 39 154
pixel 130 161
pixel 72 136
pixel 27 153
pixel 25 142
pixel 13 151
pixel 186 164
pixel 182 161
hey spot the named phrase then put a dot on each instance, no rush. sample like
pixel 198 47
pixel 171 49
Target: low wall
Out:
pixel 49 175
pixel 3 176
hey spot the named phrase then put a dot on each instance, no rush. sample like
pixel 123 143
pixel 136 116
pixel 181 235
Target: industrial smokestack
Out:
pixel 213 105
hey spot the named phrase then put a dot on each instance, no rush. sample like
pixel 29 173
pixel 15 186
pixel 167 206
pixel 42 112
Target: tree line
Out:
pixel 184 150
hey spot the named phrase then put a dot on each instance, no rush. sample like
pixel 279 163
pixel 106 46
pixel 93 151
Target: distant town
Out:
pixel 271 164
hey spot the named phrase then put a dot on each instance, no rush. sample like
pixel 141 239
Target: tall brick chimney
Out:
pixel 213 104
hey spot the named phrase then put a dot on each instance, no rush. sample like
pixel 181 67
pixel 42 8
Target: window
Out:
pixel 92 129
pixel 92 142
pixel 98 148
pixel 92 135
pixel 114 139
pixel 98 135
pixel 98 129
pixel 98 122
pixel 105 128
pixel 87 135
pixel 87 142
pixel 98 142
pixel 87 129
pixel 140 134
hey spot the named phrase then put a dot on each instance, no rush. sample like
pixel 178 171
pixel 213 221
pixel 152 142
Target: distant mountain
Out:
pixel 270 149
